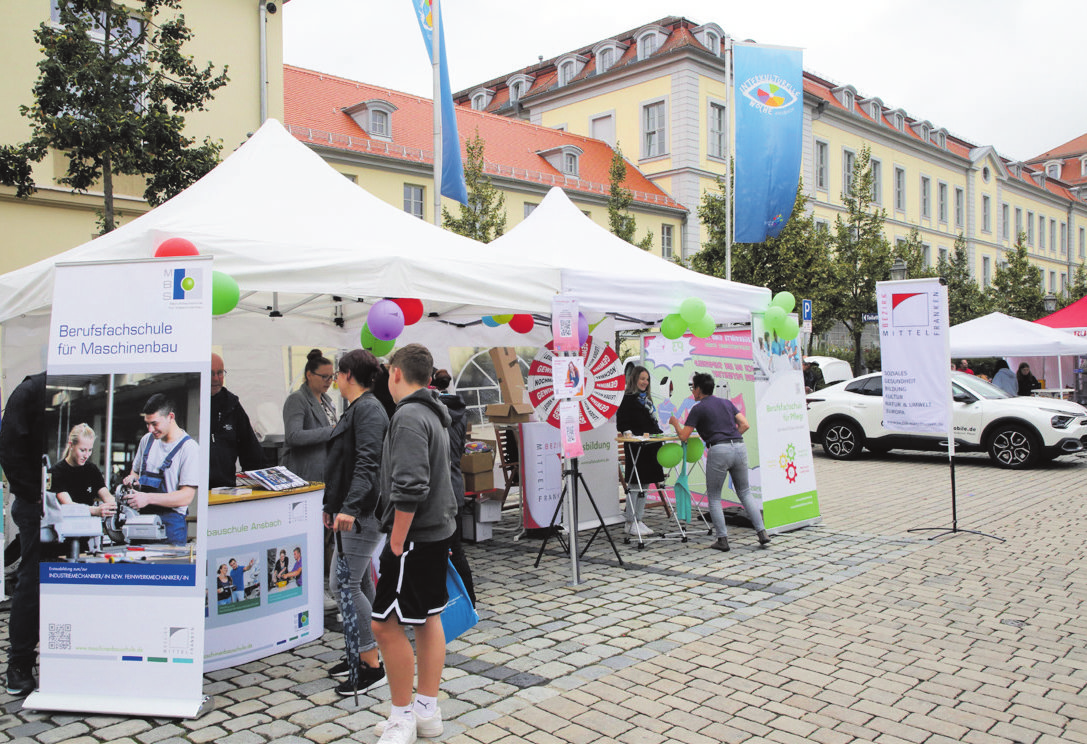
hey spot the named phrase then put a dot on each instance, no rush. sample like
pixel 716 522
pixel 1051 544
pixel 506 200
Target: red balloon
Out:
pixel 412 309
pixel 176 247
pixel 522 323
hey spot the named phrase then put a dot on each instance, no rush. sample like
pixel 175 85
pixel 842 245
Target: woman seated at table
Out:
pixel 78 481
pixel 638 415
pixel 1027 381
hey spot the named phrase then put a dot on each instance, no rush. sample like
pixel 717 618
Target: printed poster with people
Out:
pixel 125 475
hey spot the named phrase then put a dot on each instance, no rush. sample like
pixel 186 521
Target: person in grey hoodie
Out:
pixel 418 513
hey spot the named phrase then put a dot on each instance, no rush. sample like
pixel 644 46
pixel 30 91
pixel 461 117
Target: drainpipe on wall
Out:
pixel 263 16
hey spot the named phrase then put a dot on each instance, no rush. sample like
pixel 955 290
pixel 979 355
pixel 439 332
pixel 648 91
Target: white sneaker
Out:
pixel 428 728
pixel 644 529
pixel 398 731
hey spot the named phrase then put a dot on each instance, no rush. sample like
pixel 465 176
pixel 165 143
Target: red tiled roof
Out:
pixel 313 113
pixel 1072 148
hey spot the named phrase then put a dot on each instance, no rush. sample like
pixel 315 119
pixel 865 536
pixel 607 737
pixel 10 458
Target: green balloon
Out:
pixel 695 448
pixel 692 309
pixel 382 348
pixel 788 329
pixel 774 317
pixel 669 455
pixel 673 326
pixel 366 339
pixel 224 293
pixel 785 301
pixel 704 326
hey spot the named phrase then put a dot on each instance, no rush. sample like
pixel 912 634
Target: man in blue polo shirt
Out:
pixel 721 427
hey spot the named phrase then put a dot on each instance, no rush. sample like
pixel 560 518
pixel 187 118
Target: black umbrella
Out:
pixel 350 618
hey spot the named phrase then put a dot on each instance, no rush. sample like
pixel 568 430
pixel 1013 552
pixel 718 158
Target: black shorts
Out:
pixel 412 586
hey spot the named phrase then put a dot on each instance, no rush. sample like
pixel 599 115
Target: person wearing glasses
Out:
pixel 232 437
pixel 309 416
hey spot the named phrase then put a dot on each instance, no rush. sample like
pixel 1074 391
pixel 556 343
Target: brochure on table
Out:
pixel 137 623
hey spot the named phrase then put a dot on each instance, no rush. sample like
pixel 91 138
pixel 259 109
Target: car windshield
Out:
pixel 979 387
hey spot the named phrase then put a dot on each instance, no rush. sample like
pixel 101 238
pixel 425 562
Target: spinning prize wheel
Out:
pixel 604 385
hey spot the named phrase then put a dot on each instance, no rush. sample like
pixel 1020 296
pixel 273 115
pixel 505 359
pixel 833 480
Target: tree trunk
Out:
pixel 858 355
pixel 107 195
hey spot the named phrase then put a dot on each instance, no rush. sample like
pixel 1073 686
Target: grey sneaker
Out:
pixel 428 728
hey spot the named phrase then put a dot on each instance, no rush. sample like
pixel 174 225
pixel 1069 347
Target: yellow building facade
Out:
pixel 54 219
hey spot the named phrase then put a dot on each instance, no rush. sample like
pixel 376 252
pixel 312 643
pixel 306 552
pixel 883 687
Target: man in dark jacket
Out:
pixel 232 437
pixel 22 444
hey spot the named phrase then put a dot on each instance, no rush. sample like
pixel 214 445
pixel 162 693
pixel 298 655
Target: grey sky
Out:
pixel 1007 73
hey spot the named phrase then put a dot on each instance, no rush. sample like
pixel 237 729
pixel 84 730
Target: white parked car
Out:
pixel 1017 432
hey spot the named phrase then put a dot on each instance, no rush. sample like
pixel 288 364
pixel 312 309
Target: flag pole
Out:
pixel 435 48
pixel 728 158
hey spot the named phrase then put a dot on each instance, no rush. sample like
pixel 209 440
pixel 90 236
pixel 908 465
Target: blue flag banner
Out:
pixel 452 168
pixel 769 105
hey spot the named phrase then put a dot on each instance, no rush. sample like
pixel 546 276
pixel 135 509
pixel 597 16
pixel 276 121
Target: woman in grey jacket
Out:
pixel 309 417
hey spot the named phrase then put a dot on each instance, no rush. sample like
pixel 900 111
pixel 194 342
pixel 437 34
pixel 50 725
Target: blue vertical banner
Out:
pixel 452 168
pixel 769 105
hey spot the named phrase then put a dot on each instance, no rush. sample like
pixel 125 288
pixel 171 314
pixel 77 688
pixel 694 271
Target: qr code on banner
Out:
pixel 566 327
pixel 60 636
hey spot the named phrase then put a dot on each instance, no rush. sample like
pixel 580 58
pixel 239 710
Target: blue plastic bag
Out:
pixel 459 615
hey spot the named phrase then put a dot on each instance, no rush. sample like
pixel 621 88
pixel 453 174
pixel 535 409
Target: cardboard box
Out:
pixel 479 481
pixel 477 462
pixel 509 413
pixel 511 383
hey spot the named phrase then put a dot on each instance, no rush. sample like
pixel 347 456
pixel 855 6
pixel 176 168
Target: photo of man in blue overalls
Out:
pixel 166 469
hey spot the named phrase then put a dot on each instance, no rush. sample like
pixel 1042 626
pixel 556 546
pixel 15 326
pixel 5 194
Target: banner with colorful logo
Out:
pixel 769 97
pixel 915 354
pixel 452 168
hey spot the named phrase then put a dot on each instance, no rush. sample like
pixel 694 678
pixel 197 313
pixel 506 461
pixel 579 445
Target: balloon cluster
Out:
pixel 224 290
pixel 671 454
pixel 385 322
pixel 692 314
pixel 522 322
pixel 777 318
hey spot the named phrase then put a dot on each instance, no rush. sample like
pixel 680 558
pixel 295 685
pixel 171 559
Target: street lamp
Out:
pixel 899 270
pixel 1049 302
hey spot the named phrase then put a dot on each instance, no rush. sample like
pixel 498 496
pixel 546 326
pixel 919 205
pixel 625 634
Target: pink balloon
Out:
pixel 385 320
pixel 176 247
pixel 582 328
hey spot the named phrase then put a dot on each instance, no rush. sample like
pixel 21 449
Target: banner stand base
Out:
pixel 953 531
pixel 118 706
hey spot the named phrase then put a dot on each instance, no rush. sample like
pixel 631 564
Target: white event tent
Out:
pixel 999 335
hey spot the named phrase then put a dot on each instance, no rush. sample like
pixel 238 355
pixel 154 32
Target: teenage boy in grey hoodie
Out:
pixel 418 513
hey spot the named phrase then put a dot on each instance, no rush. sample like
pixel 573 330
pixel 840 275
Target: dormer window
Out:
pixel 607 53
pixel 898 119
pixel 566 159
pixel 481 98
pixel 570 164
pixel 649 40
pixel 519 85
pixel 710 36
pixel 569 67
pixel 373 117
pixel 846 95
pixel 874 108
pixel 1016 169
pixel 605 59
pixel 1053 169
pixel 923 129
pixel 941 139
pixel 1083 166
pixel 713 43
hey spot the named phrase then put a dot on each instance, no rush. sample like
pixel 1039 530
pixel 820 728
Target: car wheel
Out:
pixel 1014 447
pixel 842 439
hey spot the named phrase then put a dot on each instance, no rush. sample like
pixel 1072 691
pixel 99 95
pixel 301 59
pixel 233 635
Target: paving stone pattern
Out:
pixel 851 630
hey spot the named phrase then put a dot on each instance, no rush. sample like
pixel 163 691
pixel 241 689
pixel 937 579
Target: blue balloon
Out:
pixel 490 322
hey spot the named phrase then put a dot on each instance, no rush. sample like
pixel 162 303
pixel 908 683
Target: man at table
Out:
pixel 721 427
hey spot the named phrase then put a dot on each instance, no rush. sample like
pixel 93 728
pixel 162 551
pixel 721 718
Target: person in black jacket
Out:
pixel 22 444
pixel 232 437
pixel 351 497
pixel 458 431
pixel 638 415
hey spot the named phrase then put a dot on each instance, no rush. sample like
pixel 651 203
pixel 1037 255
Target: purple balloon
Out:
pixel 385 320
pixel 582 329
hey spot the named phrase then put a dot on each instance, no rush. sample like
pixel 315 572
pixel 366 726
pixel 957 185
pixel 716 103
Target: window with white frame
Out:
pixel 1030 229
pixel 822 226
pixel 529 208
pixel 822 165
pixel 479 101
pixel 986 214
pixel 1041 232
pixel 515 92
pixel 1064 283
pixel 1053 281
pixel 1041 278
pixel 654 131
pixel 1083 166
pixel 960 206
pixel 570 164
pixel 899 121
pixel 605 59
pixel 926 198
pixel 718 147
pixel 1064 239
pixel 986 272
pixel 413 200
pixel 877 181
pixel 943 255
pixel 1005 221
pixel 1018 223
pixel 900 189
pixel 926 254
pixel 849 159
pixel 97 33
pixel 567 71
pixel 1053 170
pixel 379 124
pixel 1052 236
pixel 666 241
pixel 648 43
pixel 941 202
pixel 713 43
pixel 1082 243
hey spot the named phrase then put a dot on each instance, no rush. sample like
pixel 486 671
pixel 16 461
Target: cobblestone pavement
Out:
pixel 851 630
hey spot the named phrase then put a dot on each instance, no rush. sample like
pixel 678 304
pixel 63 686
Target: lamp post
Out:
pixel 899 270
pixel 1049 302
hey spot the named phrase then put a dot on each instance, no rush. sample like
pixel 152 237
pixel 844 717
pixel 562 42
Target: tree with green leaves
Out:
pixel 620 221
pixel 912 251
pixel 483 218
pixel 861 255
pixel 113 89
pixel 1077 290
pixel 797 260
pixel 965 299
pixel 1017 285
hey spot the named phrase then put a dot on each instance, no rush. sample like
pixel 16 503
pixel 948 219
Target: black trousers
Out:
pixel 23 627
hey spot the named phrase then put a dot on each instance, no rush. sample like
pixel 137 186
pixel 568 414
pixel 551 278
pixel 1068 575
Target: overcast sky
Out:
pixel 1007 73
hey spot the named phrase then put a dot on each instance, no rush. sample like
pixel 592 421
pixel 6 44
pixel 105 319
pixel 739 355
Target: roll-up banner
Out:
pixel 915 354
pixel 123 594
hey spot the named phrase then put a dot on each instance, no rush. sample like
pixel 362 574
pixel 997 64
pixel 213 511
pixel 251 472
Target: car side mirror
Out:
pixel 964 398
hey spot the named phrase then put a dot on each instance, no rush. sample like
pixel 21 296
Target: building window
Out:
pixel 1030 229
pixel 822 226
pixel 718 147
pixel 1053 170
pixel 647 45
pixel 350 177
pixel 566 72
pixel 1041 232
pixel 986 272
pixel 479 101
pixel 569 164
pixel 413 200
pixel 1064 239
pixel 379 124
pixel 1005 221
pixel 900 189
pixel 1052 236
pixel 529 208
pixel 941 202
pixel 986 214
pixel 713 43
pixel 926 198
pixel 849 158
pixel 877 181
pixel 653 130
pixel 515 92
pixel 605 59
pixel 926 254
pixel 1053 281
pixel 1064 283
pixel 1018 223
pixel 666 241
pixel 1082 243
pixel 822 157
pixel 1083 166
pixel 943 255
pixel 960 206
